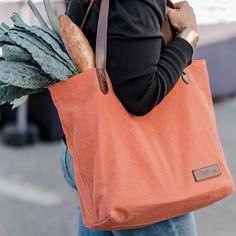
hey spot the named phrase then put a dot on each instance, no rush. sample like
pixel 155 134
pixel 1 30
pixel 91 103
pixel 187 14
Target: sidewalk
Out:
pixel 36 200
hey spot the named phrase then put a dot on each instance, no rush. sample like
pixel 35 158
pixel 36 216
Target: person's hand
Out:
pixel 182 16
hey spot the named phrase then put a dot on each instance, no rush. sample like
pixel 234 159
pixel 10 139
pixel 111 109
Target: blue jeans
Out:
pixel 183 225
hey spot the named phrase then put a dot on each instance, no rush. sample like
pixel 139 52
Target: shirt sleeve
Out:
pixel 142 72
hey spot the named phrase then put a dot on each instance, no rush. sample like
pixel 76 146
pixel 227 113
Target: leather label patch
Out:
pixel 206 172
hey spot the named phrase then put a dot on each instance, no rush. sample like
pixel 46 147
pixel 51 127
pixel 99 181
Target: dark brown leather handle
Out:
pixel 90 4
pixel 101 45
pixel 167 29
pixel 101 38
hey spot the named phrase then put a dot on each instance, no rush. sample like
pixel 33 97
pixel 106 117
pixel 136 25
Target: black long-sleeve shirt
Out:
pixel 141 69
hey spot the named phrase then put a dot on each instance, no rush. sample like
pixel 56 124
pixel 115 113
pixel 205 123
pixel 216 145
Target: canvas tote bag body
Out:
pixel 133 171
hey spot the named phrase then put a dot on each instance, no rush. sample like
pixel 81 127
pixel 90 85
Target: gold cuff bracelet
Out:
pixel 190 35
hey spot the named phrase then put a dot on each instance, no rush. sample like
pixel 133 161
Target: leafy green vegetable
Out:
pixel 32 38
pixel 51 16
pixel 5 39
pixel 4 27
pixel 54 35
pixel 8 93
pixel 18 101
pixel 16 18
pixel 15 53
pixel 46 59
pixel 45 46
pixel 50 42
pixel 33 57
pixel 22 75
pixel 37 14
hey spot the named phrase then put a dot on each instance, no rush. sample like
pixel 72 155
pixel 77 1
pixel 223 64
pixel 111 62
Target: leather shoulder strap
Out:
pixel 101 39
pixel 167 29
pixel 101 45
pixel 90 4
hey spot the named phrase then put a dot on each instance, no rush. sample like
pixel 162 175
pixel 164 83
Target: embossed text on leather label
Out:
pixel 206 172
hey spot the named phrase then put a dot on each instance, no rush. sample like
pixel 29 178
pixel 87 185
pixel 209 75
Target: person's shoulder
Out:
pixel 143 7
pixel 134 18
pixel 159 6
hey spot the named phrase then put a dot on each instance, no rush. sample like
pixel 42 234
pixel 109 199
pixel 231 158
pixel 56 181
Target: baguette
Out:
pixel 76 44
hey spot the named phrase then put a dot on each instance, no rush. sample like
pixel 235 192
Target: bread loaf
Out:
pixel 76 44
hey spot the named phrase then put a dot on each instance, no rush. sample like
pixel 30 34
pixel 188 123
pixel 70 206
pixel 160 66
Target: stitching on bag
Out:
pixel 148 223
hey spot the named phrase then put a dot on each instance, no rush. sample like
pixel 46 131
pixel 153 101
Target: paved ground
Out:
pixel 35 199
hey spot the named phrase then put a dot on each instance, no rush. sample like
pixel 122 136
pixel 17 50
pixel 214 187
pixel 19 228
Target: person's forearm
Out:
pixel 142 74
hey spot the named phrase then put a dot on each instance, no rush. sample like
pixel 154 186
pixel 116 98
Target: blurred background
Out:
pixel 34 197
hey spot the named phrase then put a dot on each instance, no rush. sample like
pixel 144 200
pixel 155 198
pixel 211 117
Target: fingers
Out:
pixel 168 9
pixel 171 11
pixel 178 5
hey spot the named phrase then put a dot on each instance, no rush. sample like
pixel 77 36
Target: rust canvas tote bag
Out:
pixel 133 171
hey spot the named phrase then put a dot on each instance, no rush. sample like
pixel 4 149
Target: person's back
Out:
pixel 142 71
